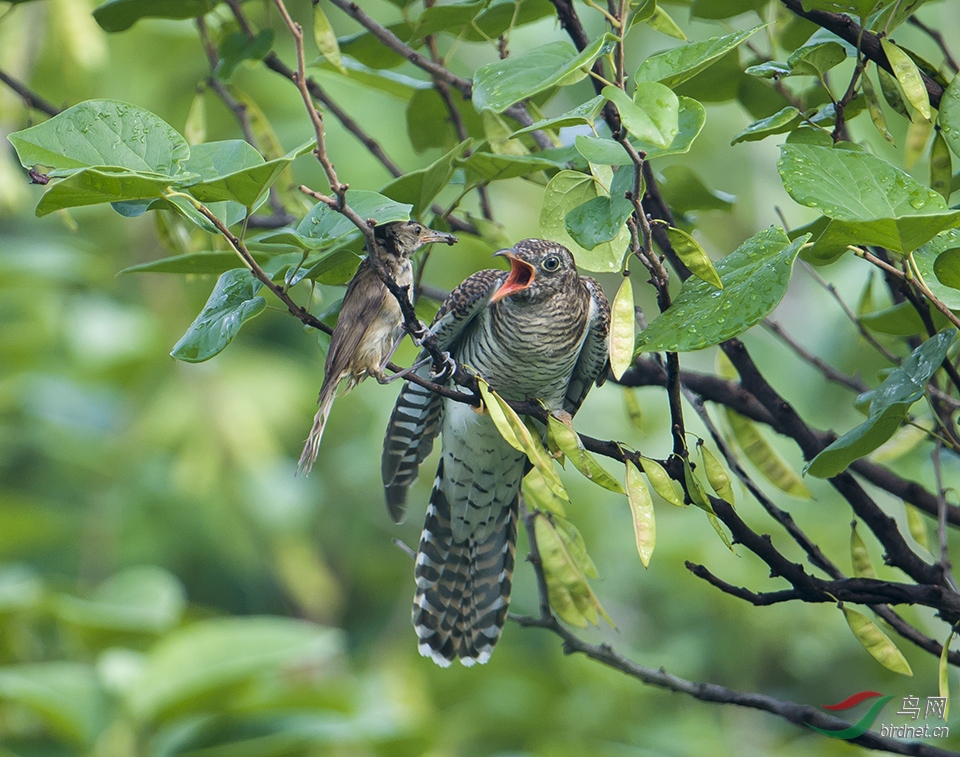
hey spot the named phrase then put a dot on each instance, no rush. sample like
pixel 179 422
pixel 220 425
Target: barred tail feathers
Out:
pixel 413 426
pixel 463 588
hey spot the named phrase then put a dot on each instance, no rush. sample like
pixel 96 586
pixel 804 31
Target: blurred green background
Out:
pixel 167 586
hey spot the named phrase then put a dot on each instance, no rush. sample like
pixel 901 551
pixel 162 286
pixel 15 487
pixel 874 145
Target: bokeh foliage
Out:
pixel 168 587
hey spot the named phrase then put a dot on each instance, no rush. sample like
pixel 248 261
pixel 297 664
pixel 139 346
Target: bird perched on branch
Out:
pixel 370 320
pixel 539 331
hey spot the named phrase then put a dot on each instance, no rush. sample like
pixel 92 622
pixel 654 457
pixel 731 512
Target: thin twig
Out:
pixel 29 97
pixel 829 372
pixel 937 37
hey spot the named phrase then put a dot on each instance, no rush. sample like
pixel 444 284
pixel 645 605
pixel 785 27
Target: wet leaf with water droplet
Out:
pixel 234 301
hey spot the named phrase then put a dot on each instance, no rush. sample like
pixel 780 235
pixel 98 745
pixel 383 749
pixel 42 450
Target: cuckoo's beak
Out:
pixel 429 236
pixel 521 276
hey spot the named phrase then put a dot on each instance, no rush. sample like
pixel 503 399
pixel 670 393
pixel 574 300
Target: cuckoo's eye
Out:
pixel 417 228
pixel 550 263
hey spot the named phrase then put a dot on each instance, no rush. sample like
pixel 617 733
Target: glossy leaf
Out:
pixel 652 116
pixel 755 278
pixel 569 592
pixel 602 151
pixel 102 133
pixel 94 186
pixel 488 166
pixel 566 439
pixel 889 402
pixel 941 169
pixel 661 22
pixel 859 556
pixel 566 191
pixel 538 495
pixel 874 107
pixel 891 92
pixel 876 642
pixel 675 66
pixel 717 475
pixel 949 118
pixel 816 59
pixel 764 457
pixel 499 85
pixel 877 203
pixel 237 47
pixel 641 510
pixel 119 15
pixel 780 122
pixel 908 75
pixel 623 326
pixel 600 219
pixel 195 128
pixel 947 268
pixel 326 39
pixel 585 113
pixel 661 482
pixel 420 188
pixel 247 185
pixel 694 257
pixel 234 300
pixel 925 258
pixel 515 432
pixel 690 120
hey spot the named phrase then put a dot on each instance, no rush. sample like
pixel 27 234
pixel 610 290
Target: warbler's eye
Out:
pixel 550 263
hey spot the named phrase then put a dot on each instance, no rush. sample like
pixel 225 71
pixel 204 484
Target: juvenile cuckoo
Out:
pixel 370 321
pixel 537 331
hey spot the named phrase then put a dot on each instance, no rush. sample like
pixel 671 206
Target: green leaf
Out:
pixel 876 203
pixel 641 509
pixel 198 263
pixel 538 494
pixel 632 405
pixel 566 439
pixel 717 475
pixel 675 66
pixel 941 169
pixel 690 120
pixel 102 133
pixel 326 39
pixel 488 166
pixel 602 151
pixel 203 663
pixel 764 457
pixel 623 324
pixel 661 22
pixel 755 278
pixel 908 75
pixel 943 675
pixel 247 185
pixel 684 190
pixel 517 435
pixel 694 257
pixel 119 15
pixel 237 47
pixel 566 191
pixel 876 642
pixel 144 599
pixel 213 160
pixel 779 123
pixel 859 8
pixel 336 267
pixel 94 186
pixel 420 188
pixel 585 113
pixel 323 227
pixel 926 256
pixel 917 525
pixel 816 59
pixel 66 695
pixel 891 92
pixel 233 301
pixel 889 402
pixel 859 556
pixel 949 118
pixel 652 116
pixel 947 268
pixel 569 592
pixel 874 107
pixel 499 85
pixel 598 220
pixel 195 127
pixel 661 482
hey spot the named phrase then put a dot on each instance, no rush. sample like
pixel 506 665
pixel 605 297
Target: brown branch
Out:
pixel 30 98
pixel 869 43
pixel 829 372
pixel 937 37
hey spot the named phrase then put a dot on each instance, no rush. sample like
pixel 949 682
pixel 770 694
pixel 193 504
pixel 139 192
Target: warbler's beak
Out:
pixel 429 236
pixel 521 276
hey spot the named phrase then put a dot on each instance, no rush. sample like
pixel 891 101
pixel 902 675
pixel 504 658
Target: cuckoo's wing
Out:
pixel 415 421
pixel 592 364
